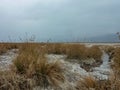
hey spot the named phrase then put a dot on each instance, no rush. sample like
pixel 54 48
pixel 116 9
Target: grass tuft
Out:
pixel 32 63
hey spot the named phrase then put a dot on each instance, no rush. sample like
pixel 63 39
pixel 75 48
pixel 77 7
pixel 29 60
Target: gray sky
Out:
pixel 58 19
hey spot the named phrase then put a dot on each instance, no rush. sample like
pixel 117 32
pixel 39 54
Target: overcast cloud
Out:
pixel 58 19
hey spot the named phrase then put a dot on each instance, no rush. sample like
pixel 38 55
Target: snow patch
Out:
pixel 6 59
pixel 102 72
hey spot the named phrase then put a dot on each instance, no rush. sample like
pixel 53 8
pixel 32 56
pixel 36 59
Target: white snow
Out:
pixel 6 59
pixel 100 44
pixel 73 70
pixel 102 72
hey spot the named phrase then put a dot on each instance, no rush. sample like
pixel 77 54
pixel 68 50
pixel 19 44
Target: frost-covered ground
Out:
pixel 101 72
pixel 73 70
pixel 102 44
pixel 7 58
pixel 104 70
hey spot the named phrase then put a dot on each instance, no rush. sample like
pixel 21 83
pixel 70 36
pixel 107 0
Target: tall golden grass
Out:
pixel 94 52
pixel 7 46
pixel 86 84
pixel 90 83
pixel 31 68
pixel 75 51
pixel 116 59
pixel 12 81
pixel 55 48
pixel 32 63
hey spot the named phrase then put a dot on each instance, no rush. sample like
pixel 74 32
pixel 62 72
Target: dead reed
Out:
pixel 32 63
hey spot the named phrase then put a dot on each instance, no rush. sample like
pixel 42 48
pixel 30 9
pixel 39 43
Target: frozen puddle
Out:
pixel 74 71
pixel 6 59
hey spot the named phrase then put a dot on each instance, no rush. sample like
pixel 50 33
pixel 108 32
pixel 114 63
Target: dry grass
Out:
pixel 28 53
pixel 116 59
pixel 89 83
pixel 76 51
pixel 86 84
pixel 46 74
pixel 7 46
pixel 109 50
pixel 94 52
pixel 31 68
pixel 12 81
pixel 32 63
pixel 117 56
pixel 55 48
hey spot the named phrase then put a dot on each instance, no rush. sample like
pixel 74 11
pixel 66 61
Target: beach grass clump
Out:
pixel 55 48
pixel 87 83
pixel 75 51
pixel 31 62
pixel 46 74
pixel 13 81
pixel 116 59
pixel 94 52
pixel 90 83
pixel 4 47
